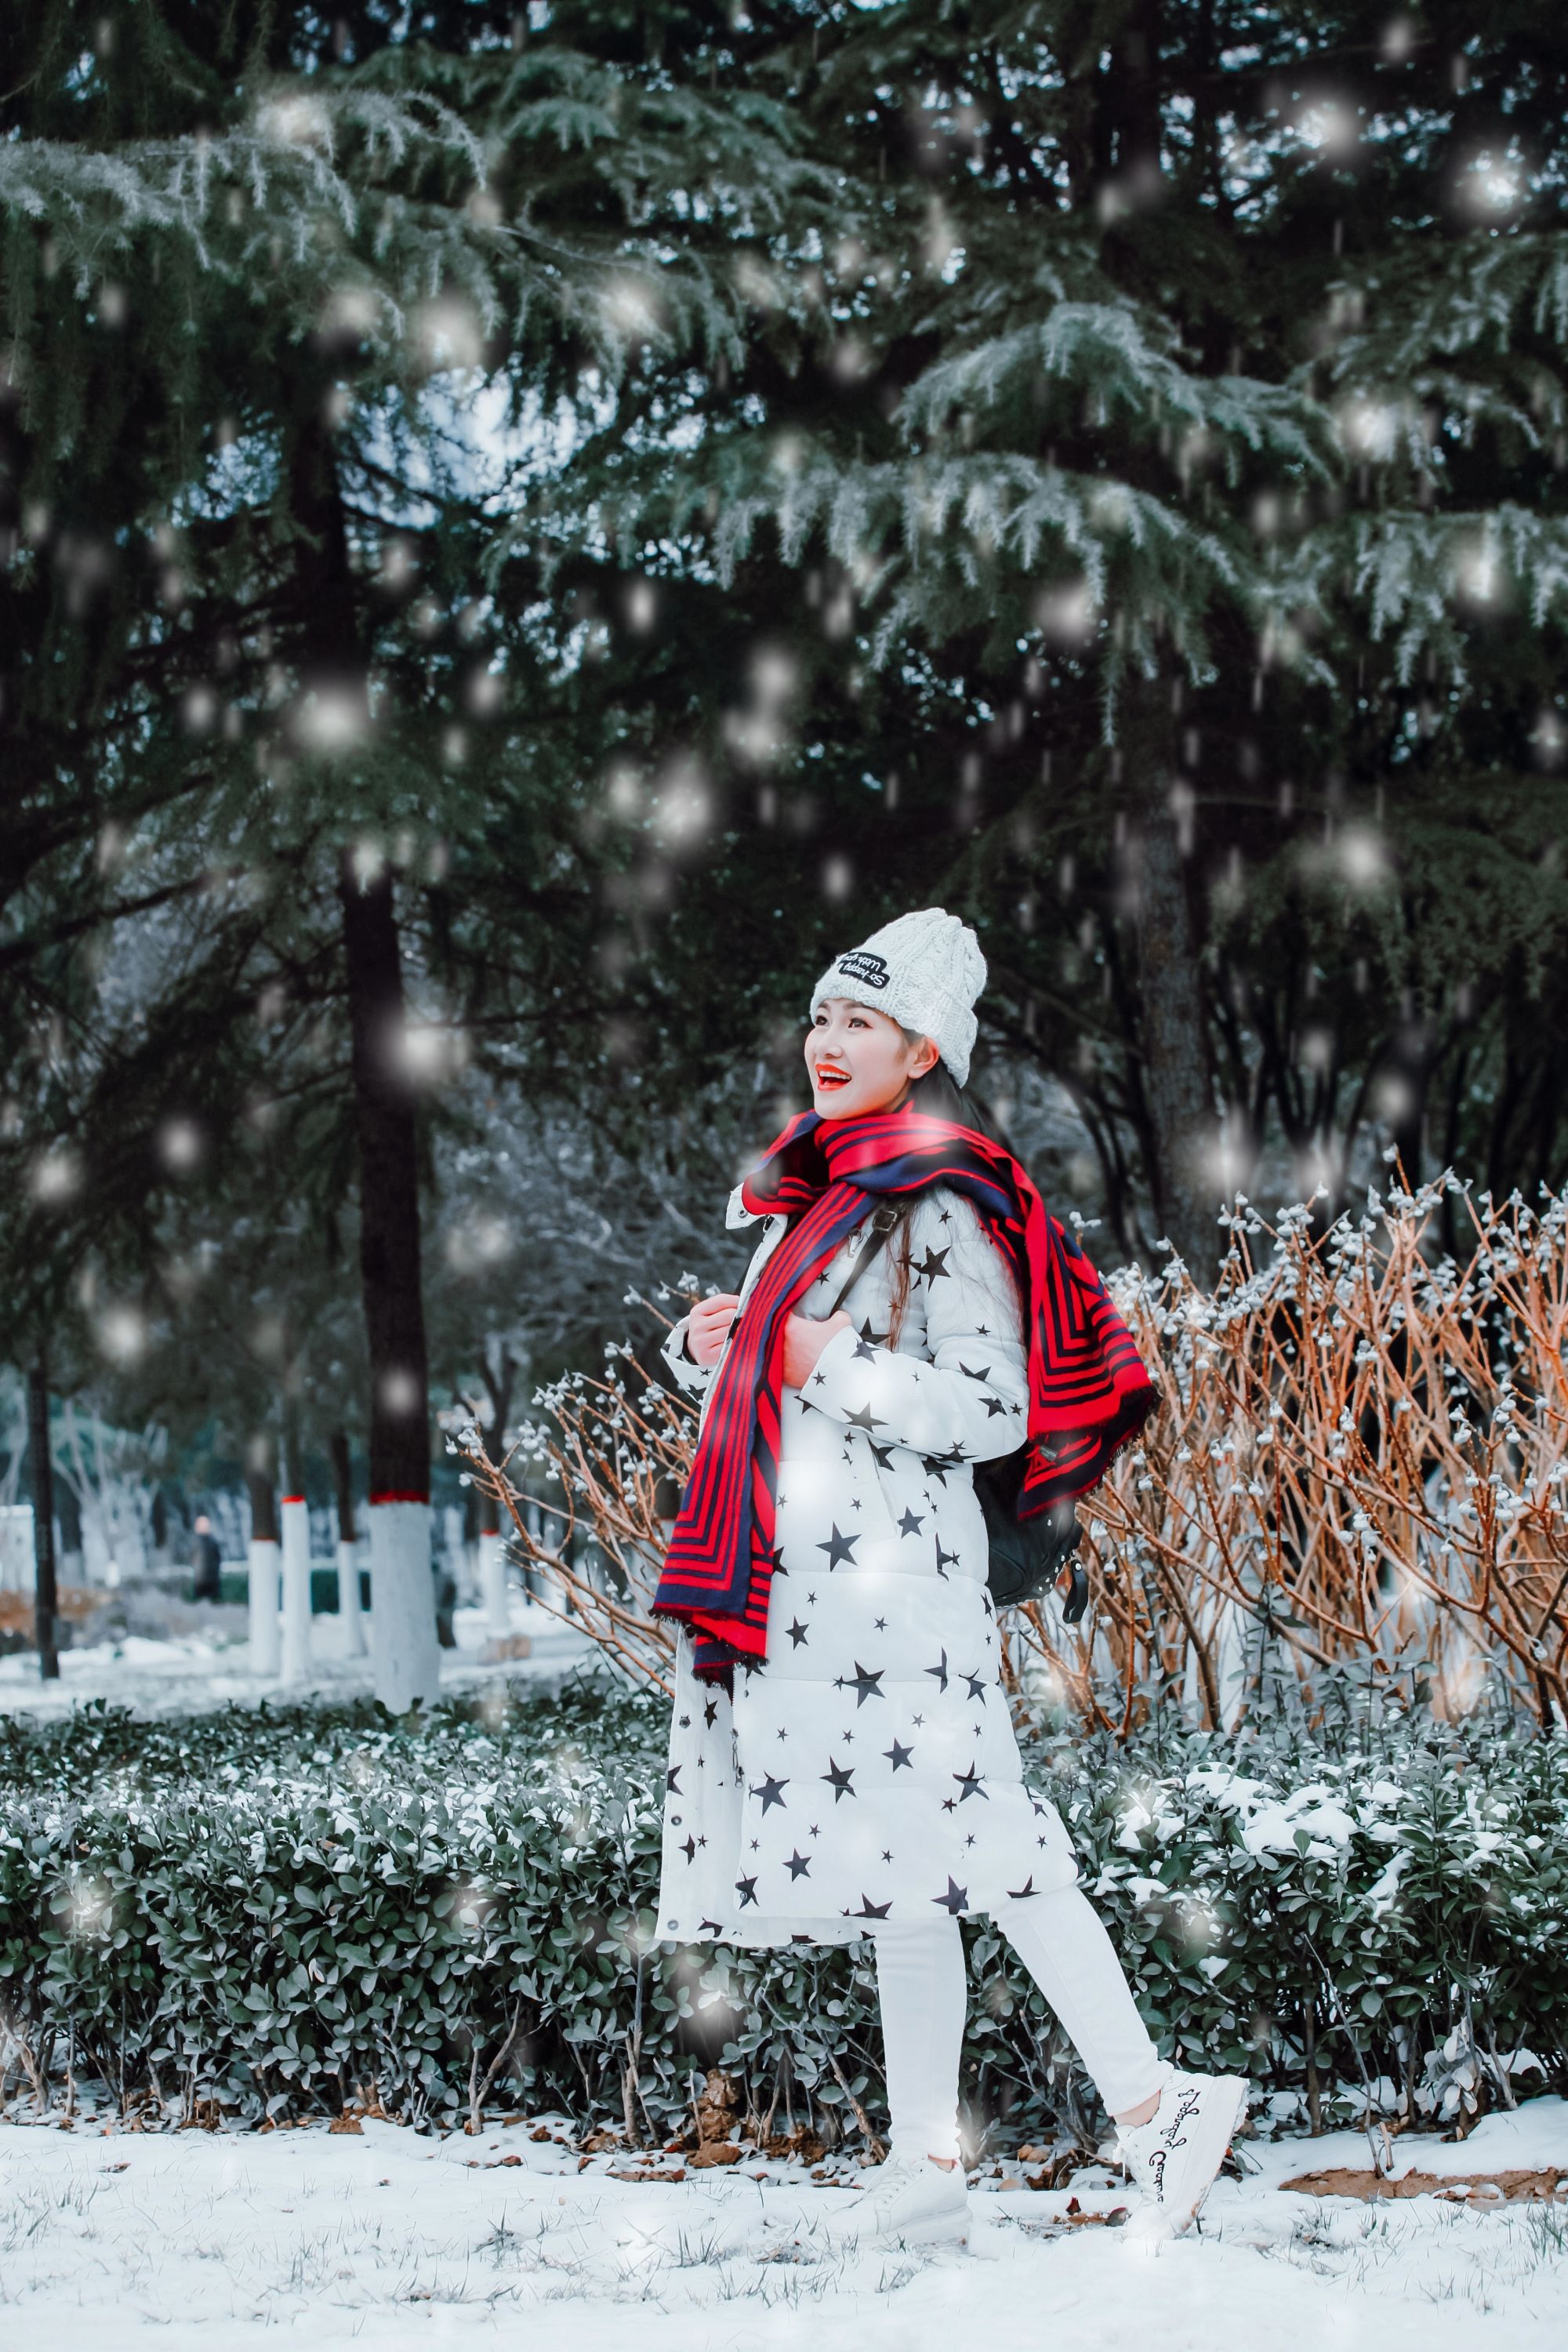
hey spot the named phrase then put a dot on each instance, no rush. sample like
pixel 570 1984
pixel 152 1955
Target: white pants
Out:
pixel 924 1997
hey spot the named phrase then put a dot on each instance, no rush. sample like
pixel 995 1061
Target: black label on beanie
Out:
pixel 858 965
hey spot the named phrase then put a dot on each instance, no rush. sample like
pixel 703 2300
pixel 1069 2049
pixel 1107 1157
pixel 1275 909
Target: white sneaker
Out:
pixel 1175 2156
pixel 910 2204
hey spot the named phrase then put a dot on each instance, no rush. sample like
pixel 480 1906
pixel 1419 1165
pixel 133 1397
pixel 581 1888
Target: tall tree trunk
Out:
pixel 1409 1075
pixel 349 1611
pixel 403 1598
pixel 262 1566
pixel 499 1372
pixel 500 1369
pixel 46 1598
pixel 1177 1086
pixel 263 1494
pixel 343 1484
pixel 389 1193
pixel 294 1553
pixel 1175 1078
pixel 385 1124
pixel 402 1593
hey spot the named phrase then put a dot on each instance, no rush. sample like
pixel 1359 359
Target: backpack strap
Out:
pixel 883 1223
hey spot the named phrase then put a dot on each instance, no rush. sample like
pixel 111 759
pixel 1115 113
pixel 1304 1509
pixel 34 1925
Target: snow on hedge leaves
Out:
pixel 280 1910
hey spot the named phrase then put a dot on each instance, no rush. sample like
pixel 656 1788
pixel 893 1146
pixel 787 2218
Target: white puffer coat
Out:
pixel 868 1769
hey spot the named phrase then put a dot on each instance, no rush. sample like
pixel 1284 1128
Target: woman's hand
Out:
pixel 708 1327
pixel 804 1341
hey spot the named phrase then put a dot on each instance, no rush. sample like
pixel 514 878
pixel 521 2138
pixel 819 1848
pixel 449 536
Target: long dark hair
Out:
pixel 937 1095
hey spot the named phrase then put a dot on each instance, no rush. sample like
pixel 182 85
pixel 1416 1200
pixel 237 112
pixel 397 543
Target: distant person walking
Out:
pixel 842 1763
pixel 207 1563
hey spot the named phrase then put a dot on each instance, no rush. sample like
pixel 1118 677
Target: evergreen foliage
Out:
pixel 1097 466
pixel 280 652
pixel 1186 400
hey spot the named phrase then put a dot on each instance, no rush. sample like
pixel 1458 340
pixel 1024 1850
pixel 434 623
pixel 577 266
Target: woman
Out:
pixel 842 1762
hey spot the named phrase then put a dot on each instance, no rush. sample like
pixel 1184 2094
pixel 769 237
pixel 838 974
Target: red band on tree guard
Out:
pixel 400 1498
pixel 293 1499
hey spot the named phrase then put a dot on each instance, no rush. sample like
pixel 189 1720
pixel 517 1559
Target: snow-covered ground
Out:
pixel 196 1670
pixel 388 2240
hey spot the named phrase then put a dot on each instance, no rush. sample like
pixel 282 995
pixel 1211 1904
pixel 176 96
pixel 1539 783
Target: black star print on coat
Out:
pixel 935 1401
pixel 672 1781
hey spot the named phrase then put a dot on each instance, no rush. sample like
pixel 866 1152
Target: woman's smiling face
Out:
pixel 859 1060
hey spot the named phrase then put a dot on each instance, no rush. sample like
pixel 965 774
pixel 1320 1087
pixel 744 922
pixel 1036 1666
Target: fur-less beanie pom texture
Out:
pixel 925 971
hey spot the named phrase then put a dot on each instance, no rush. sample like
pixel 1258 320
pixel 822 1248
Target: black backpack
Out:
pixel 1026 1556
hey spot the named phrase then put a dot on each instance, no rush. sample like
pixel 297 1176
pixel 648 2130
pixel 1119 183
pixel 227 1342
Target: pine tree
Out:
pixel 1190 410
pixel 317 694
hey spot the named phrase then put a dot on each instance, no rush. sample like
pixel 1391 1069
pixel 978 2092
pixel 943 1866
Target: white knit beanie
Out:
pixel 925 971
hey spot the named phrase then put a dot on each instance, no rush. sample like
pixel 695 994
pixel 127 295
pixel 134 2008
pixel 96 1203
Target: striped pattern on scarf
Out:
pixel 1088 1392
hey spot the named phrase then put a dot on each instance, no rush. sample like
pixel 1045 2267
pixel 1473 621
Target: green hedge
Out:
pixel 277 1911
pixel 233 1584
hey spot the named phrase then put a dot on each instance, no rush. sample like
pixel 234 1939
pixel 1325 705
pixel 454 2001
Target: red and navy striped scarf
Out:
pixel 1088 1393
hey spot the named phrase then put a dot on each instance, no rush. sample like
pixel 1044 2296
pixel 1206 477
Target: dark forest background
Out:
pixel 523 530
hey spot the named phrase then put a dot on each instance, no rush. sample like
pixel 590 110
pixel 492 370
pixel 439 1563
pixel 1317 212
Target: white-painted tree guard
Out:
pixel 18 1567
pixel 351 1615
pixel 296 1647
pixel 493 1586
pixel 405 1658
pixel 266 1630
